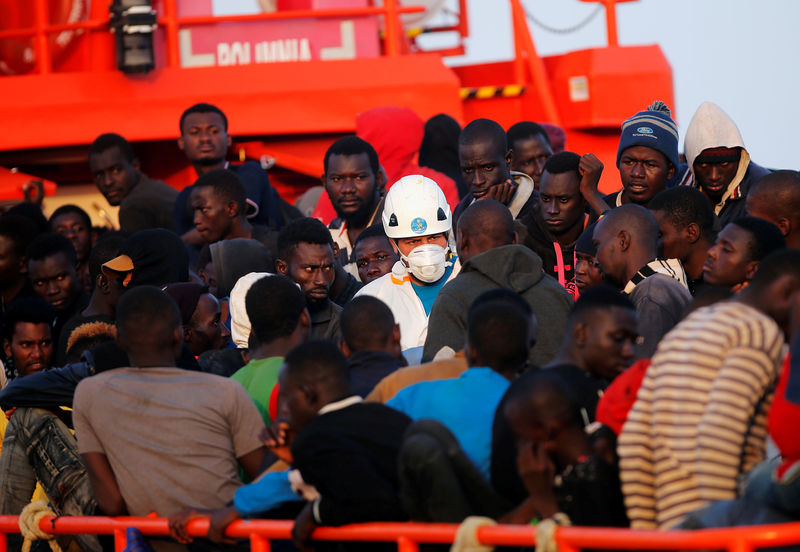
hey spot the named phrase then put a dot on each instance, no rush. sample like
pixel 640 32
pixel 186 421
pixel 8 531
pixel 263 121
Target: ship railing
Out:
pixel 393 35
pixel 408 536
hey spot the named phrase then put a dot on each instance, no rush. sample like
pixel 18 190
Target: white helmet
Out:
pixel 415 206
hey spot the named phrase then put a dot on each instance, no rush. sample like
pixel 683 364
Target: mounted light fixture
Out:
pixel 133 23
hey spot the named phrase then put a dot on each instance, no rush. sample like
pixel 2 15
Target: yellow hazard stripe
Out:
pixel 410 33
pixel 486 92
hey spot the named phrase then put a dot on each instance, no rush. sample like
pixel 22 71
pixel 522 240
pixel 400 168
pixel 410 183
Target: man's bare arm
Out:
pixel 106 490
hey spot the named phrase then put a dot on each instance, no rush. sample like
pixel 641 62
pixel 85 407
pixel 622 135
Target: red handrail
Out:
pixel 42 46
pixel 526 57
pixel 409 535
pixel 172 23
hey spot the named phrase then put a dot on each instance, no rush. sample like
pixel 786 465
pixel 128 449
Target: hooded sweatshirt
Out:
pixel 711 127
pixel 558 259
pixel 513 267
pixel 396 134
pixel 240 322
pixel 439 149
pixel 234 258
pixel 158 256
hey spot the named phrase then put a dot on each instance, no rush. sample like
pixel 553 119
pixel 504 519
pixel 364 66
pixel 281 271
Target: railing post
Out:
pixel 392 28
pixel 3 542
pixel 41 44
pixel 259 543
pixel 524 45
pixel 463 19
pixel 171 32
pixel 120 540
pixel 740 544
pixel 611 22
pixel 404 544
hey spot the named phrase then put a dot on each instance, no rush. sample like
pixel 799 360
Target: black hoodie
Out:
pixel 557 260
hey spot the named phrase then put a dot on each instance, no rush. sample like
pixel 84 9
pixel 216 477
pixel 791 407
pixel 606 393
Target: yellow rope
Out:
pixel 546 532
pixel 29 525
pixel 467 535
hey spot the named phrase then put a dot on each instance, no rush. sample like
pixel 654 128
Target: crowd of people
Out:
pixel 477 331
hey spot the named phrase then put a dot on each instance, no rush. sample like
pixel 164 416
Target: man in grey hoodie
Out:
pixel 491 259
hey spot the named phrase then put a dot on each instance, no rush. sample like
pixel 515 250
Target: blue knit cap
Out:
pixel 652 129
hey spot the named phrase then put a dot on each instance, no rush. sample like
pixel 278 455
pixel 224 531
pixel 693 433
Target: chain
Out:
pixel 580 25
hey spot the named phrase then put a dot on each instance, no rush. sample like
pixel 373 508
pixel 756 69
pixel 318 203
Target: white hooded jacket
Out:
pixel 711 127
pixel 396 290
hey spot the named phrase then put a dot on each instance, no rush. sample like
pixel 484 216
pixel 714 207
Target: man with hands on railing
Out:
pixel 343 453
pixel 134 469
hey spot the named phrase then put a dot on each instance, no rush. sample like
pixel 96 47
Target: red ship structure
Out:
pixel 291 77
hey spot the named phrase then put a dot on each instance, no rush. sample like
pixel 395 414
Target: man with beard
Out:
pixel 355 184
pixel 305 255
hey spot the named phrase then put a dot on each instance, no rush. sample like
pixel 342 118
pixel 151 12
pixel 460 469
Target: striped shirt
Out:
pixel 699 420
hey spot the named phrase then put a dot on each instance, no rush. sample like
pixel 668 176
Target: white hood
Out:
pixel 711 127
pixel 240 322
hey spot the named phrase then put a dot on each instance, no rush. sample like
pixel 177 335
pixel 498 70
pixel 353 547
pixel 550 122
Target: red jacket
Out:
pixel 618 398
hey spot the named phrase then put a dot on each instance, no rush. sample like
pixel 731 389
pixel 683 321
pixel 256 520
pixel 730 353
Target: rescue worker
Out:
pixel 418 222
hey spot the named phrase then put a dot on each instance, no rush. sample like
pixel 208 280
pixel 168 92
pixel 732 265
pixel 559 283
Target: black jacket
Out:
pixel 350 456
pixel 367 368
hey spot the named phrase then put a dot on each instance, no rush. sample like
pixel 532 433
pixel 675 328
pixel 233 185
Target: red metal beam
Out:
pixel 280 99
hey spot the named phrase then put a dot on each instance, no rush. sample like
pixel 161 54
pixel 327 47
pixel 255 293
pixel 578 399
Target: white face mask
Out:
pixel 427 262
